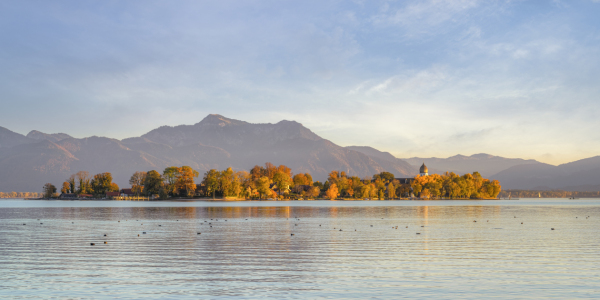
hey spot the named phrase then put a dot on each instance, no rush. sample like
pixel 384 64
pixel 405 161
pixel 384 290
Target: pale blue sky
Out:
pixel 415 78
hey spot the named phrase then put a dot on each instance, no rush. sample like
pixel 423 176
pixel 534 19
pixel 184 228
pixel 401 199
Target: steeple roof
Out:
pixel 424 169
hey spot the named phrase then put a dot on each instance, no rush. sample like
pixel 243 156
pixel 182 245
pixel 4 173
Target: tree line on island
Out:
pixel 278 182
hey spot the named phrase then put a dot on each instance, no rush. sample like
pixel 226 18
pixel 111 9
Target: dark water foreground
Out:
pixel 250 252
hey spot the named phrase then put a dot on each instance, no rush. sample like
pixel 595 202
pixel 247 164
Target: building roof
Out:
pixel 424 169
pixel 127 191
pixel 112 194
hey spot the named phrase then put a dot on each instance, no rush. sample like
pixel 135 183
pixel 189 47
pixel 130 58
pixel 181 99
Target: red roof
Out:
pixel 112 194
pixel 127 191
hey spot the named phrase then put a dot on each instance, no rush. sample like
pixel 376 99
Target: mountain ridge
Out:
pixel 27 162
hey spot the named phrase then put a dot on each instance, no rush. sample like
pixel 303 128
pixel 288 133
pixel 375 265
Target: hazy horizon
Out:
pixel 413 78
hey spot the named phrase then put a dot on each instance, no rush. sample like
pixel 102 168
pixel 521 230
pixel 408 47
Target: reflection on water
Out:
pixel 344 251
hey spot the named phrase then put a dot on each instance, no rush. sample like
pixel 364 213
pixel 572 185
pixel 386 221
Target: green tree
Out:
pixel 153 183
pixel 282 180
pixel 72 185
pixel 49 190
pixel 386 176
pixel 211 181
pixel 83 179
pixel 101 183
pixel 170 177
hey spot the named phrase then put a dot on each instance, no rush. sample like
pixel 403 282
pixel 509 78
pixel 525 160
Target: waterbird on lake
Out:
pixel 144 232
pixel 92 244
pixel 521 223
pixel 199 233
pixel 551 228
pixel 418 233
pixel 340 230
pixel 105 235
pixel 291 234
pixel 105 242
pixel 474 221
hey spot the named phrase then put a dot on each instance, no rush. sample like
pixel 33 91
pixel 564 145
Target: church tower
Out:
pixel 424 171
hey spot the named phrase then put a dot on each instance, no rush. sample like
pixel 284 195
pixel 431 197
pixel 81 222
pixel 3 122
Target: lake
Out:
pixel 300 249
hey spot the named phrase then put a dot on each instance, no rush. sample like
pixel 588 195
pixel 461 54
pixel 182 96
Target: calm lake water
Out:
pixel 339 249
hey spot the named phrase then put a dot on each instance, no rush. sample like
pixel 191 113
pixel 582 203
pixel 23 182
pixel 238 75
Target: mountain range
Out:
pixel 28 162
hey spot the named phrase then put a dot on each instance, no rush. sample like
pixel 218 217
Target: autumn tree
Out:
pixel 137 182
pixel 270 170
pixel 257 172
pixel 66 187
pixel 184 181
pixel 313 192
pixel 262 186
pixel 211 181
pixel 391 190
pixel 102 183
pixel 332 192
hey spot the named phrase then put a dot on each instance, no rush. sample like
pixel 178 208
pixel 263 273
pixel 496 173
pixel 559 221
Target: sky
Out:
pixel 428 78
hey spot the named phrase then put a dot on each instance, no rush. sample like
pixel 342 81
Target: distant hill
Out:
pixel 10 139
pixel 26 163
pixel 581 175
pixel 53 137
pixel 486 164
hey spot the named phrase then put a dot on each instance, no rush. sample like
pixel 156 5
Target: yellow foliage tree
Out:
pixel 332 192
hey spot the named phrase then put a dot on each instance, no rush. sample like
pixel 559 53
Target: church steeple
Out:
pixel 424 171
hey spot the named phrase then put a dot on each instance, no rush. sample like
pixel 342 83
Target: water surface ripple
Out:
pixel 310 249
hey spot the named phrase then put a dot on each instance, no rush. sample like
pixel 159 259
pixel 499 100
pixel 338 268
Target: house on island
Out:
pixel 112 195
pixel 126 193
pixel 423 171
pixel 67 196
pixel 281 191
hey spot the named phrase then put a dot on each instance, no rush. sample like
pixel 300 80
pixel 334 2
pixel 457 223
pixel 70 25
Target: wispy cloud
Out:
pixel 409 77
